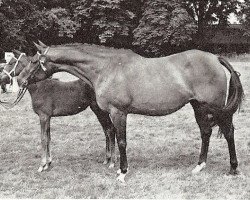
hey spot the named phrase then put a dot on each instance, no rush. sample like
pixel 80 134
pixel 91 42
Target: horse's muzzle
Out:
pixel 24 84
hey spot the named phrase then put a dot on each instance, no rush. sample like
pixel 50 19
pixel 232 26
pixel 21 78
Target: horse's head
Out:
pixel 35 70
pixel 50 60
pixel 13 67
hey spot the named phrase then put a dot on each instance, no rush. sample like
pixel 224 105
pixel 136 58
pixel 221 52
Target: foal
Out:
pixel 53 98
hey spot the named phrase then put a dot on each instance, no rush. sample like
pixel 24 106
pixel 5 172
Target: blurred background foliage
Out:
pixel 149 27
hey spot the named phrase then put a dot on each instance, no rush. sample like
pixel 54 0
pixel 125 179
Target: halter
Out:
pixel 14 68
pixel 42 62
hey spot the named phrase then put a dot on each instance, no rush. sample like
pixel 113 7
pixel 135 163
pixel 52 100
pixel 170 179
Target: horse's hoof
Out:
pixel 105 162
pixel 198 168
pixel 121 178
pixel 43 168
pixel 40 169
pixel 112 165
pixel 234 172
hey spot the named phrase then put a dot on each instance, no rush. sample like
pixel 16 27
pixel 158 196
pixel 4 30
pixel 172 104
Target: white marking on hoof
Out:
pixel 112 165
pixel 45 167
pixel 198 168
pixel 121 177
pixel 105 162
pixel 40 169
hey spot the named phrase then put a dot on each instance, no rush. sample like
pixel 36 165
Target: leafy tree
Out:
pixel 104 21
pixel 12 15
pixel 52 26
pixel 49 4
pixel 207 12
pixel 23 21
pixel 15 9
pixel 164 26
pixel 244 14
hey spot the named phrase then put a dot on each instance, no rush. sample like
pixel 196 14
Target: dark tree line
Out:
pixel 150 27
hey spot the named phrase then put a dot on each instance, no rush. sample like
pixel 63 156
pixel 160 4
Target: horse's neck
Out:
pixel 88 71
pixel 32 88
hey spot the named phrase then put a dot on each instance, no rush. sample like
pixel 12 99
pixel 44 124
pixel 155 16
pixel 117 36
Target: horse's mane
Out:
pixel 97 50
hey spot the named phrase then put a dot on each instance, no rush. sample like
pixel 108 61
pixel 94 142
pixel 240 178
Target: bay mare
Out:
pixel 129 83
pixel 53 98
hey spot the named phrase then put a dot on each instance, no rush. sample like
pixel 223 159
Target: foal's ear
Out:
pixel 42 44
pixel 16 53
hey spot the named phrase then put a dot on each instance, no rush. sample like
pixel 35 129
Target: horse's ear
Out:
pixel 16 53
pixel 42 44
pixel 35 44
pixel 39 48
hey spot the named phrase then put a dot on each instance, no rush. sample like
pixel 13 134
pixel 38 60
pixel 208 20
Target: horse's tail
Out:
pixel 236 92
pixel 235 97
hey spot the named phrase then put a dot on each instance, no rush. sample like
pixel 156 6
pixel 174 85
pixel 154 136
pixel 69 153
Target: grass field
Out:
pixel 161 151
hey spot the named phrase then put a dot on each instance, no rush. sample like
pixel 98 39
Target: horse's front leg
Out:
pixel 110 147
pixel 45 141
pixel 109 130
pixel 119 119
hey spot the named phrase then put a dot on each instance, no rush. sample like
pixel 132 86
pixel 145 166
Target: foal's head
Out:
pixel 34 71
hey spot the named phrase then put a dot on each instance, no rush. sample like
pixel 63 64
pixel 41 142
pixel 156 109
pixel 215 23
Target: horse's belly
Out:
pixel 158 105
pixel 70 107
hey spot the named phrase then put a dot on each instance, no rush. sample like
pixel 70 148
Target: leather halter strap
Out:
pixel 42 62
pixel 14 68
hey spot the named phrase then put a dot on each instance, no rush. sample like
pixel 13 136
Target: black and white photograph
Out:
pixel 125 99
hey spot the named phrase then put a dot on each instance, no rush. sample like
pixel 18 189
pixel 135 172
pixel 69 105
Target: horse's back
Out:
pixel 196 74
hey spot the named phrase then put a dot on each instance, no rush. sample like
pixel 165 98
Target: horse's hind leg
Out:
pixel 227 129
pixel 109 130
pixel 205 123
pixel 45 140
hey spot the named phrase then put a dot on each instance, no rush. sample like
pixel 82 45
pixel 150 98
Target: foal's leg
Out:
pixel 204 123
pixel 227 128
pixel 45 140
pixel 109 130
pixel 119 119
pixel 3 86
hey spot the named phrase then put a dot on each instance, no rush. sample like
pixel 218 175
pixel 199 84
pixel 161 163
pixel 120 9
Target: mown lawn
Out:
pixel 162 151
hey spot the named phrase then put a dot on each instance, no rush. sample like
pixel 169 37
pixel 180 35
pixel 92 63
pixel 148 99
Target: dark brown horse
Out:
pixel 129 83
pixel 53 98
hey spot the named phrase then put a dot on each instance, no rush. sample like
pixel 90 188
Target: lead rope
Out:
pixel 21 93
